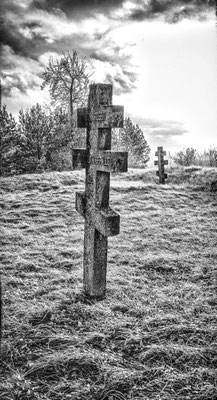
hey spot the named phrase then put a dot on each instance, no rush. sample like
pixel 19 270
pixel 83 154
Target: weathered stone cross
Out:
pixel 93 204
pixel 161 162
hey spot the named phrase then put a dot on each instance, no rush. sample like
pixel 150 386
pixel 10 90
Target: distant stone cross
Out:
pixel 93 204
pixel 161 162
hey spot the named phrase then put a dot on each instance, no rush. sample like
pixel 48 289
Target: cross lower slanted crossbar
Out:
pixel 107 221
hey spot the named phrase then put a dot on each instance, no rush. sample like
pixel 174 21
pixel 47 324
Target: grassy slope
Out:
pixel 152 337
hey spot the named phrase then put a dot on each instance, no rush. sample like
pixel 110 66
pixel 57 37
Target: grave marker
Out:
pixel 93 204
pixel 160 153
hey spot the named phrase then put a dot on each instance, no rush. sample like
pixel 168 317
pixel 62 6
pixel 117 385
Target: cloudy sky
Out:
pixel 160 55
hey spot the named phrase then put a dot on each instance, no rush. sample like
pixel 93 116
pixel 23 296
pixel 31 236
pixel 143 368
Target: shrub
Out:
pixel 186 157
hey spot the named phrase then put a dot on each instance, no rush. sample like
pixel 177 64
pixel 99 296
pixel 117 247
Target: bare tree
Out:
pixel 68 80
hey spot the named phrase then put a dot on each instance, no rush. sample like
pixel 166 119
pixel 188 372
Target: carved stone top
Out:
pixel 100 110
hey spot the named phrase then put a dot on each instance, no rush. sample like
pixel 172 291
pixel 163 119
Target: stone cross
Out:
pixel 161 162
pixel 93 204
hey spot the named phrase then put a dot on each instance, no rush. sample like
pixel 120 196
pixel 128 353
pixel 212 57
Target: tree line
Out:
pixel 44 136
pixel 42 140
pixel 190 156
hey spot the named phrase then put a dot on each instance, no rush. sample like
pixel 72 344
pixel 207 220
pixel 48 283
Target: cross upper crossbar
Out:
pixel 160 151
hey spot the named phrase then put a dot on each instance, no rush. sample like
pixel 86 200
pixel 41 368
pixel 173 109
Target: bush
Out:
pixel 207 158
pixel 186 157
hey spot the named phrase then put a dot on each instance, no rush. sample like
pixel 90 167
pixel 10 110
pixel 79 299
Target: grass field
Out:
pixel 154 335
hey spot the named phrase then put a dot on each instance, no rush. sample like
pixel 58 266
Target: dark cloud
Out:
pixel 10 36
pixel 8 31
pixel 9 5
pixel 31 25
pixel 171 11
pixel 31 28
pixel 12 21
pixel 28 47
pixel 15 81
pixel 21 27
pixel 24 37
pixel 18 72
pixel 76 6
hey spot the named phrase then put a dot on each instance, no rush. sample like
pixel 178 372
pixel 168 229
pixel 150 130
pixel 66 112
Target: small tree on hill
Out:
pixel 42 133
pixel 8 141
pixel 131 139
pixel 186 157
pixel 34 128
pixel 57 151
pixel 211 157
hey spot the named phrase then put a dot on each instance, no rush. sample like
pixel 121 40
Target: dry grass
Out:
pixel 154 335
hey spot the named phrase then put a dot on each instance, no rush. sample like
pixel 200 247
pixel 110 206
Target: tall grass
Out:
pixel 154 334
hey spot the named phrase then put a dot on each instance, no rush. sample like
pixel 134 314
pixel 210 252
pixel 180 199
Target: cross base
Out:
pixel 164 175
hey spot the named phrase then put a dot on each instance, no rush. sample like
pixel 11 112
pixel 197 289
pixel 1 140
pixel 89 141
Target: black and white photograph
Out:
pixel 108 199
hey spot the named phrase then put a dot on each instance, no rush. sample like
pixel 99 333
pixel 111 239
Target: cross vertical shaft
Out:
pixel 97 196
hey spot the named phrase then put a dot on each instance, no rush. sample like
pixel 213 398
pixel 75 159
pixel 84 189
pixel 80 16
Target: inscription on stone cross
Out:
pixel 99 161
pixel 160 153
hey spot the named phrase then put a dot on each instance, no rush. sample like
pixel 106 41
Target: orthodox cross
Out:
pixel 93 204
pixel 161 162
